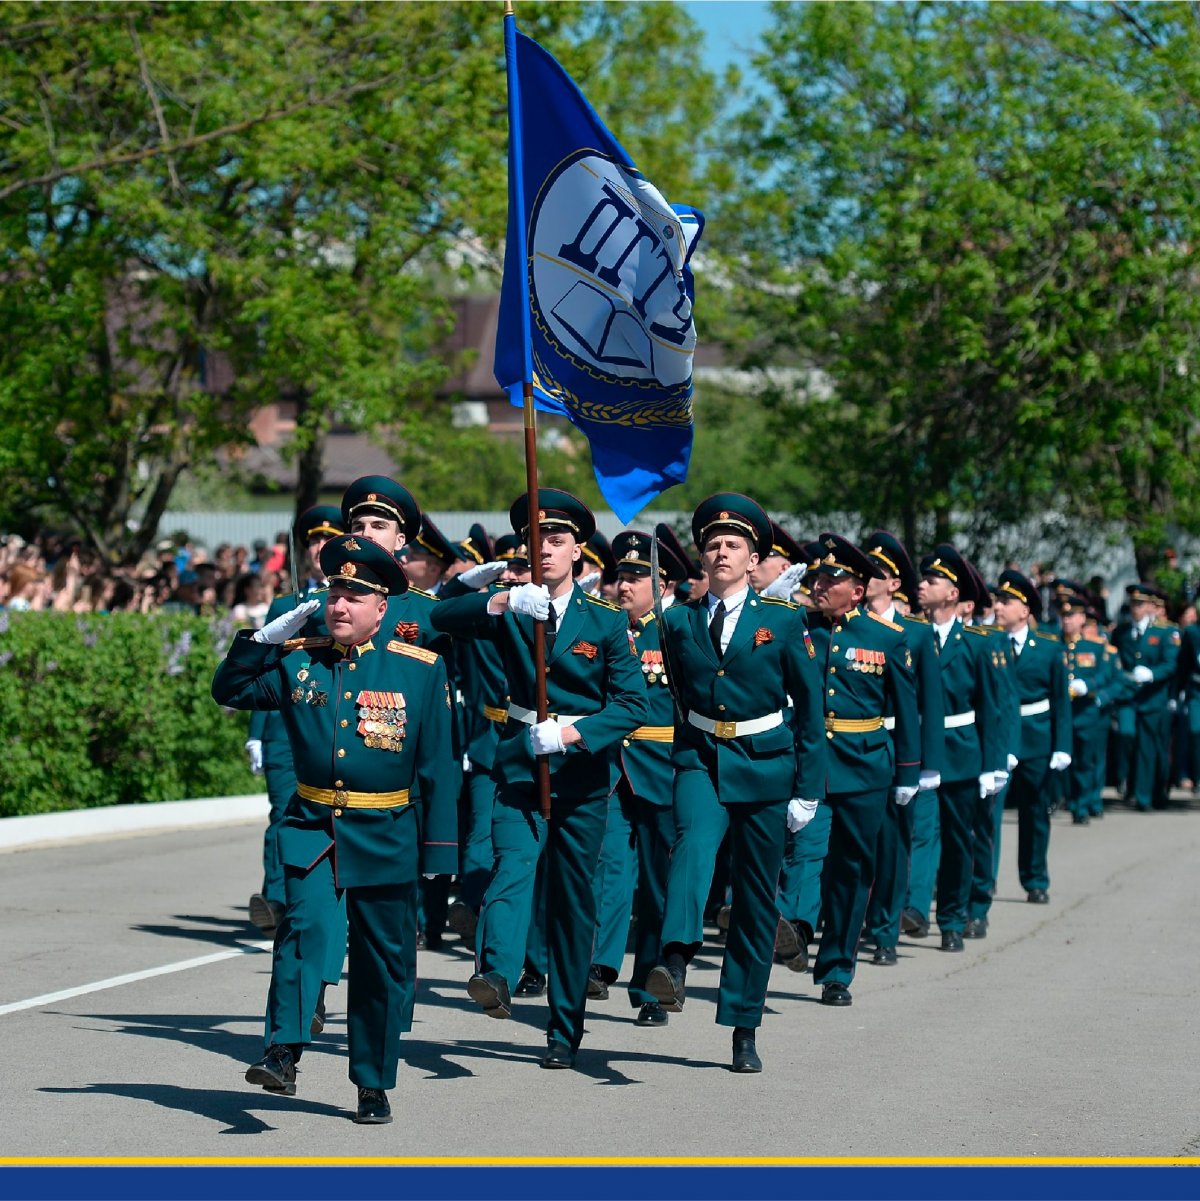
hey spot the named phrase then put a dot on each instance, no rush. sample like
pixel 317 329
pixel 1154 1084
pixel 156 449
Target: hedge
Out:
pixel 112 709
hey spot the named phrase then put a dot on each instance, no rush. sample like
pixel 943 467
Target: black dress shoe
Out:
pixel 835 993
pixel 651 1014
pixel 373 1107
pixel 791 945
pixel 558 1055
pixel 1080 819
pixel 433 942
pixel 745 1054
pixel 913 924
pixel 1037 896
pixel 976 927
pixel 490 991
pixel 597 986
pixel 318 1019
pixel 952 940
pixel 884 957
pixel 275 1071
pixel 531 984
pixel 666 986
pixel 463 920
pixel 266 915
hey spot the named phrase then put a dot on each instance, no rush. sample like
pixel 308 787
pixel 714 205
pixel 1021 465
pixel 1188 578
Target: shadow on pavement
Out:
pixel 237 1112
pixel 220 931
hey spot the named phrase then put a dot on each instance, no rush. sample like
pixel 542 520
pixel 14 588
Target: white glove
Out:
pixel 991 782
pixel 903 793
pixel 254 750
pixel 1172 706
pixel 1012 761
pixel 287 624
pixel 483 575
pixel 546 738
pixel 1078 688
pixel 531 599
pixel 1142 674
pixel 788 580
pixel 799 813
pixel 588 582
pixel 929 781
pixel 429 875
pixel 1059 761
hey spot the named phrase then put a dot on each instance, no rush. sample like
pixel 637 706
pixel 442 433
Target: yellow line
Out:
pixel 605 1161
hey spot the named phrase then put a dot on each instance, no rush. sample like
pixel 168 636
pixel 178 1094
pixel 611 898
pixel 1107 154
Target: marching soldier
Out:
pixel 868 670
pixel 739 765
pixel 974 768
pixel 1040 675
pixel 1094 681
pixel 897 584
pixel 595 688
pixel 368 718
pixel 1149 650
pixel 1187 686
pixel 641 828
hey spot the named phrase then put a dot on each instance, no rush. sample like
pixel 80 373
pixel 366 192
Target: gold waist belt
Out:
pixel 654 734
pixel 852 725
pixel 353 800
pixel 495 712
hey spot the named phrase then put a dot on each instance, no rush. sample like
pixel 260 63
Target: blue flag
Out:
pixel 596 304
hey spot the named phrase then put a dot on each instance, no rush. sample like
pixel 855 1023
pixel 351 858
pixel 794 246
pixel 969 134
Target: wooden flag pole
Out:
pixel 535 574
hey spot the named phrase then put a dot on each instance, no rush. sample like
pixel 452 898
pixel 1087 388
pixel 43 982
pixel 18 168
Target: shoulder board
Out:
pixel 422 592
pixel 1095 641
pixel 306 644
pixel 1163 624
pixel 980 630
pixel 502 587
pixel 883 621
pixel 646 619
pixel 599 600
pixel 778 600
pixel 413 652
pixel 1047 637
pixel 913 617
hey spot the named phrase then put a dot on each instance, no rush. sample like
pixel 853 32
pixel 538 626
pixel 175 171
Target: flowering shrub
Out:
pixel 114 708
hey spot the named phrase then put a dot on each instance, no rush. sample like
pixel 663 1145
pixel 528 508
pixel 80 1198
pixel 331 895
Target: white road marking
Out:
pixel 116 981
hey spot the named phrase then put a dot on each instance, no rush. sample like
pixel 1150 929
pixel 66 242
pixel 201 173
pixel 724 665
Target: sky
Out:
pixel 733 29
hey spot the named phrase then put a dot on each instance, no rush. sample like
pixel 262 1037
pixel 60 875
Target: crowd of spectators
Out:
pixel 56 572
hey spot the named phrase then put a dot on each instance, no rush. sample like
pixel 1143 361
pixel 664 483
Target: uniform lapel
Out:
pixel 700 631
pixel 953 638
pixel 571 625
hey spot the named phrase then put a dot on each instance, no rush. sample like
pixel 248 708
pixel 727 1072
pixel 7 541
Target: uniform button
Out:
pixel 837 629
pixel 341 752
pixel 624 741
pixel 833 671
pixel 721 672
pixel 353 666
pixel 831 691
pixel 339 783
pixel 345 723
pixel 835 648
pixel 720 708
pixel 337 813
pixel 345 696
pixel 828 733
pixel 830 713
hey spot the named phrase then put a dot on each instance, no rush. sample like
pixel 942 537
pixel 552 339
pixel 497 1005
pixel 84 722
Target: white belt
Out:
pixel 529 717
pixel 889 723
pixel 735 729
pixel 1042 706
pixel 954 720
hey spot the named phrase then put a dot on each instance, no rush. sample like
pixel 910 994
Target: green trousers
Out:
pixel 963 817
pixel 382 923
pixel 800 877
pixel 890 888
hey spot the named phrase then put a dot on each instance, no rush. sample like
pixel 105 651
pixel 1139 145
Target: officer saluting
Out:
pixel 368 717
pixel 739 765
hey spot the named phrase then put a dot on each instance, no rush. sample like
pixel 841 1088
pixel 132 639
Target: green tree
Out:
pixel 273 185
pixel 980 222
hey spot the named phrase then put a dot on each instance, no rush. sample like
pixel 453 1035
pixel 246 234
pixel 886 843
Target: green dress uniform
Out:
pixel 369 728
pixel 594 683
pixel 1187 686
pixel 636 852
pixel 1039 672
pixel 893 854
pixel 1156 647
pixel 1093 660
pixel 738 762
pixel 867 667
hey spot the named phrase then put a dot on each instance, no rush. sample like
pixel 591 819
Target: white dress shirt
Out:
pixel 733 609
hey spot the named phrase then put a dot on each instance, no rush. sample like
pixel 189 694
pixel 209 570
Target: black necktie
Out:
pixel 716 625
pixel 1016 650
pixel 551 631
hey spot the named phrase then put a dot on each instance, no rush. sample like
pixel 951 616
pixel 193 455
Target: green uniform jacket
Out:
pixel 1187 667
pixel 769 659
pixel 1097 663
pixel 972 681
pixel 647 761
pixel 1040 674
pixel 1157 649
pixel 930 702
pixel 320 693
pixel 592 675
pixel 868 670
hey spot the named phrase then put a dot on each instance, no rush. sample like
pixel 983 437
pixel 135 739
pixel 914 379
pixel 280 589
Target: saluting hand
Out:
pixel 786 583
pixel 287 624
pixel 483 575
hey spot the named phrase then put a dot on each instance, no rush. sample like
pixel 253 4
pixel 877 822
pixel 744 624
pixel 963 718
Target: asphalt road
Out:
pixel 1072 1030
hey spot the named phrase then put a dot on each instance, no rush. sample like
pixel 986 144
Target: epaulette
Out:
pixel 307 644
pixel 1163 624
pixel 646 619
pixel 980 630
pixel 777 600
pixel 1095 640
pixel 914 617
pixel 599 600
pixel 883 621
pixel 1048 637
pixel 422 592
pixel 413 652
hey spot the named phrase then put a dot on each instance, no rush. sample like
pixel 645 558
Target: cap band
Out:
pixel 323 528
pixel 730 521
pixel 373 501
